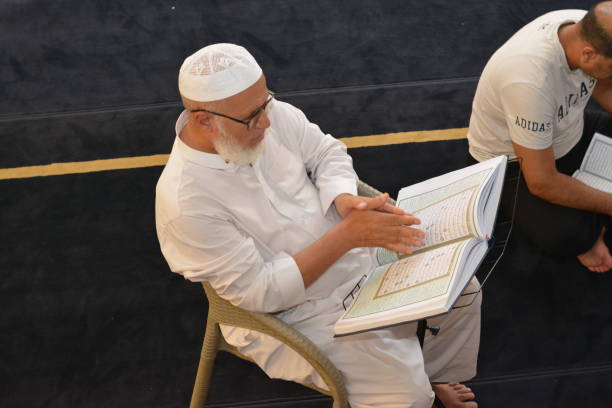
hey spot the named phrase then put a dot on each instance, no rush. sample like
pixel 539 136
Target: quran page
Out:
pixel 447 206
pixel 598 158
pixel 408 281
pixel 596 167
pixel 594 181
pixel 444 221
pixel 446 213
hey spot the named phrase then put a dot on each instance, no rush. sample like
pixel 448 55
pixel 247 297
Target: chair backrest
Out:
pixel 366 190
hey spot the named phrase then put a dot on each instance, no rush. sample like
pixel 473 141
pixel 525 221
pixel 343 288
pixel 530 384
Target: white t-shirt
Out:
pixel 527 94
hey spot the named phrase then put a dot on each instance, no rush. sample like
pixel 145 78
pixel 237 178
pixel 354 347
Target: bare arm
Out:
pixel 544 181
pixel 366 228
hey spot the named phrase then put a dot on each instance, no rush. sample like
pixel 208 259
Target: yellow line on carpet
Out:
pixel 405 137
pixel 56 169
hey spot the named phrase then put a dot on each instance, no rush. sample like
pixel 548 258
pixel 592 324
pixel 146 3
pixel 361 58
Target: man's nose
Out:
pixel 263 121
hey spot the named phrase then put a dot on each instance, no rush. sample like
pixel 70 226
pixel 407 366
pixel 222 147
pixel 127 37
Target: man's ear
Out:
pixel 588 55
pixel 205 120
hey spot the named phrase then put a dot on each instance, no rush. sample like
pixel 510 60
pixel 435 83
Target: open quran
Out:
pixel 457 212
pixel 596 167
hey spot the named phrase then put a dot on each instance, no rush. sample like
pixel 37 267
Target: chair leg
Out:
pixel 340 404
pixel 339 401
pixel 206 364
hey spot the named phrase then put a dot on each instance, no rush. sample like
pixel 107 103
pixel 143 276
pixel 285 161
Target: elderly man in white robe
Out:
pixel 259 202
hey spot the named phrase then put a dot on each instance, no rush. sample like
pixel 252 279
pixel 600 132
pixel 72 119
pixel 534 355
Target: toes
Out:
pixel 461 388
pixel 459 396
pixel 467 396
pixel 598 269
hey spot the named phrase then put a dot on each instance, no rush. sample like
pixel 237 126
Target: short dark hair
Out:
pixel 593 33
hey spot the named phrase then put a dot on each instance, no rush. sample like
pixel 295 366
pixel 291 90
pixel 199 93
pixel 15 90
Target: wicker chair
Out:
pixel 221 311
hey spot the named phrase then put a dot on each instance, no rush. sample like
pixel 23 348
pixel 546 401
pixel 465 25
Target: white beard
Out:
pixel 228 148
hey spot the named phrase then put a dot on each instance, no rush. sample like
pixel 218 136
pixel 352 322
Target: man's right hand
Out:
pixel 381 229
pixel 360 228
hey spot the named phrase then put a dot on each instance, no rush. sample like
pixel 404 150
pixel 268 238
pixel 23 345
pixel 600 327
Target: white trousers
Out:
pixel 382 368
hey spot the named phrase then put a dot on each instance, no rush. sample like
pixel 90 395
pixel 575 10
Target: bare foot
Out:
pixel 598 258
pixel 455 395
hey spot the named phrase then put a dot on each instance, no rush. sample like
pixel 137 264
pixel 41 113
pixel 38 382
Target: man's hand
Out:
pixel 365 227
pixel 345 203
pixel 382 229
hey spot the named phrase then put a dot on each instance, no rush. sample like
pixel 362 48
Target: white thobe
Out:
pixel 238 227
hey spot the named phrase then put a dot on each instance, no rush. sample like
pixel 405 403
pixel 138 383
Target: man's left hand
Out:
pixel 345 203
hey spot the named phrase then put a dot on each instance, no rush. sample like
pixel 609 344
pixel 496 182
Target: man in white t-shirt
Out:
pixel 530 105
pixel 259 202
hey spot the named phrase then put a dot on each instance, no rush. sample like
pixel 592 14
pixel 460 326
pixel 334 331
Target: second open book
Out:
pixel 596 167
pixel 457 212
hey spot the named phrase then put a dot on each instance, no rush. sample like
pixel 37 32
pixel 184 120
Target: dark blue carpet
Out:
pixel 91 315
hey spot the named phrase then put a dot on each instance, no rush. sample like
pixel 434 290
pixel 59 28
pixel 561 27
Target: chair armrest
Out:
pixel 366 190
pixel 223 312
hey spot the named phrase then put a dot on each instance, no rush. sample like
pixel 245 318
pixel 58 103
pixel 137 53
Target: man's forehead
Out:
pixel 250 99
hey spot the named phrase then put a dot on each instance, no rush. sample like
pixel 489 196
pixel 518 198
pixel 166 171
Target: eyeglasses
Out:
pixel 252 120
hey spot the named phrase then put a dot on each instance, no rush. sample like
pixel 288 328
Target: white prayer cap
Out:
pixel 216 72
